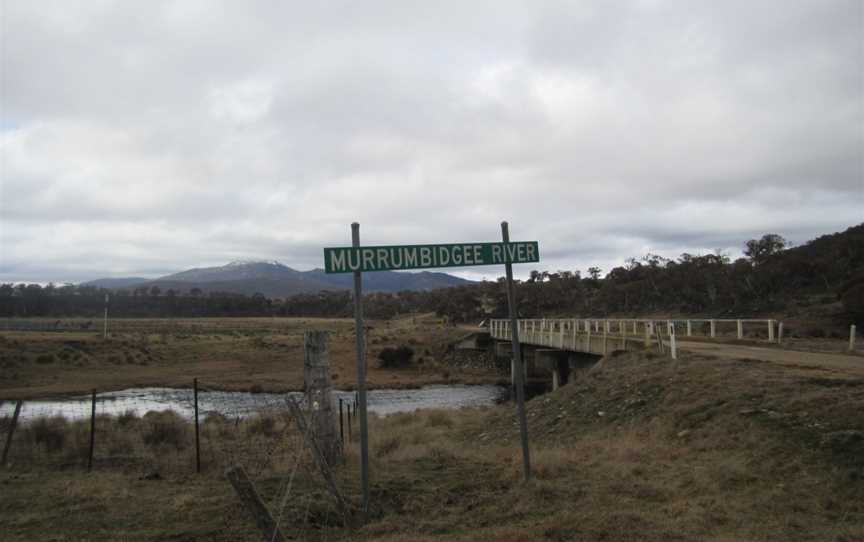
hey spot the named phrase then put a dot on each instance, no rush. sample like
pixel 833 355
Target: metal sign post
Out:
pixel 105 320
pixel 361 371
pixel 517 359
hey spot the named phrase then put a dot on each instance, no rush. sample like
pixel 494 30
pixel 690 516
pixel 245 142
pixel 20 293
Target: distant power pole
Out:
pixel 105 320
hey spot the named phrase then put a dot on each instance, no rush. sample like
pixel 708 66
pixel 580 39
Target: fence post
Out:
pixel 341 424
pixel 92 431
pixel 852 337
pixel 713 329
pixel 319 393
pixel 11 432
pixel 770 331
pixel 349 422
pixel 672 347
pixel 605 337
pixel 197 436
pixel 254 505
pixel 780 333
pixel 647 336
pixel 740 329
pixel 689 328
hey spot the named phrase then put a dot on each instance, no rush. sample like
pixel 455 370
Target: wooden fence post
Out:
pixel 852 337
pixel 740 329
pixel 672 346
pixel 11 432
pixel 319 399
pixel 341 425
pixel 780 333
pixel 713 329
pixel 249 496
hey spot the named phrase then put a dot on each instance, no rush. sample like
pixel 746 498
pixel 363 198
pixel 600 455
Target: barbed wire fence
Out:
pixel 159 433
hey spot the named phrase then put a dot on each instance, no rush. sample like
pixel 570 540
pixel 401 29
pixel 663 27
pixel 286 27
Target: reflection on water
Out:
pixel 234 403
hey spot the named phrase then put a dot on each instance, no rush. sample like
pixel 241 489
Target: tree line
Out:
pixel 770 278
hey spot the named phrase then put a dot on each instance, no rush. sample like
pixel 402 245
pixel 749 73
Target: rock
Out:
pixel 601 413
pixel 684 433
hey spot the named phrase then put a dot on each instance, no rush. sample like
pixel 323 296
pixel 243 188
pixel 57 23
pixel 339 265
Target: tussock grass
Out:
pixel 158 442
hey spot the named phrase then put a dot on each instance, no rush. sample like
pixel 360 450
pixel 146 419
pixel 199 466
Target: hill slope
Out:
pixel 275 280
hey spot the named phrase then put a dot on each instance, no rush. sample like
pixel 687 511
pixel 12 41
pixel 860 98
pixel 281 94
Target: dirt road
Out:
pixel 841 362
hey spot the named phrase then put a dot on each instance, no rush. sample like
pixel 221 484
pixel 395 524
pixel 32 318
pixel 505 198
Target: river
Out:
pixel 242 404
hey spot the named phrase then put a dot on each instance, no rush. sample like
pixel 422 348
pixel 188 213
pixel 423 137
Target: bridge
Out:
pixel 559 345
pixel 601 336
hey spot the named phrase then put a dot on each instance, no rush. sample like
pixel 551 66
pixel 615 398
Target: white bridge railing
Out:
pixel 594 335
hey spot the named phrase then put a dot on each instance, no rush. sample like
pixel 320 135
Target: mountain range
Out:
pixel 275 280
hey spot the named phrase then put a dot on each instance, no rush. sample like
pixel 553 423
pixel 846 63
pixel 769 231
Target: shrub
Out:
pixel 438 418
pixel 388 446
pixel 45 359
pixel 49 432
pixel 164 428
pixel 262 425
pixel 127 418
pixel 396 357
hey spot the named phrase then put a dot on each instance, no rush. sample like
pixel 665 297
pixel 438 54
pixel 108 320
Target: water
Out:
pixel 242 404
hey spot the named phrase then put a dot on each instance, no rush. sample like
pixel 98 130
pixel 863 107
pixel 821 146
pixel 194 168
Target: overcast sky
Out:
pixel 143 138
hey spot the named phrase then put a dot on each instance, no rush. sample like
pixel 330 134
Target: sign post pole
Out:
pixel 361 372
pixel 105 320
pixel 517 358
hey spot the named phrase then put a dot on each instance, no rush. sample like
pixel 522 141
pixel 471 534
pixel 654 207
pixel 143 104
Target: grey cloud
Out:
pixel 178 134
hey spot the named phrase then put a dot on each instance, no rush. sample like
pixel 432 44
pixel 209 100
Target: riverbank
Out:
pixel 256 355
pixel 638 447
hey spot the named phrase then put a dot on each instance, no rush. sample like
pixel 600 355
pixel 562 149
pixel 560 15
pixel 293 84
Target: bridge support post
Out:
pixel 502 349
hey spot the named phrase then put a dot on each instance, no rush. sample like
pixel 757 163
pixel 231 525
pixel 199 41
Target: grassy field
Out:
pixel 638 447
pixel 263 354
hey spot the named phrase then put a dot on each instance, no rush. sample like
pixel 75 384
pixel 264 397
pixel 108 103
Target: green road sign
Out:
pixel 383 258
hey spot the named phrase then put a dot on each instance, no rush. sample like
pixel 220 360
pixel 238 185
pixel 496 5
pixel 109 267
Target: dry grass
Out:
pixel 224 353
pixel 638 448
